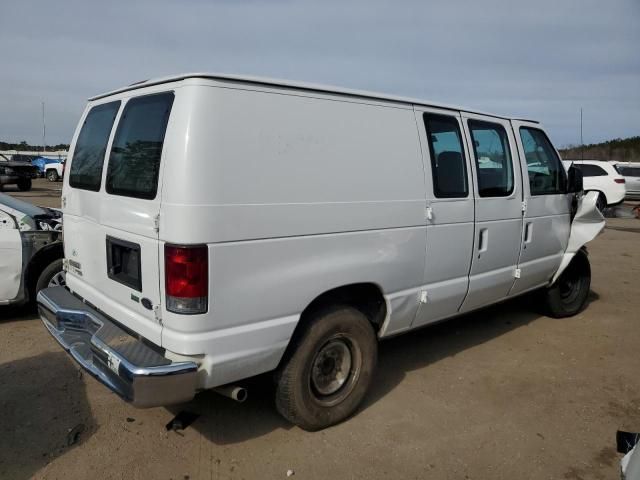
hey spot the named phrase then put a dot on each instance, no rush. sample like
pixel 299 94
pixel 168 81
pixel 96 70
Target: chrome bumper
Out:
pixel 122 362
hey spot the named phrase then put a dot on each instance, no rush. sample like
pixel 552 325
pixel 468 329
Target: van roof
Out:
pixel 298 86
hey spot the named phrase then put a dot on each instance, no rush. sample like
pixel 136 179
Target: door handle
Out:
pixel 483 241
pixel 528 232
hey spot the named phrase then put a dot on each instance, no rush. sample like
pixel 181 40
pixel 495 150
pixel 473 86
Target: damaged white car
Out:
pixel 30 250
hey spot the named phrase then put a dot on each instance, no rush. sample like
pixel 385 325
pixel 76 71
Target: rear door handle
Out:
pixel 483 240
pixel 528 232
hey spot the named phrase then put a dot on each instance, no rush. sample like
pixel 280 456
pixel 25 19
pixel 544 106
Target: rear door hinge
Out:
pixel 517 273
pixel 156 223
pixel 524 206
pixel 157 314
pixel 428 212
pixel 423 296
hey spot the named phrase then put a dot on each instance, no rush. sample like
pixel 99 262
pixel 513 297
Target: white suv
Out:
pixel 602 177
pixel 631 173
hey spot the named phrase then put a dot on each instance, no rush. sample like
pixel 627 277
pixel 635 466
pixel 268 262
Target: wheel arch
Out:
pixel 600 192
pixel 366 297
pixel 39 262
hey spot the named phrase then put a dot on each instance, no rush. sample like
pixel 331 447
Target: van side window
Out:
pixel 448 164
pixel 134 162
pixel 88 155
pixel 546 172
pixel 493 159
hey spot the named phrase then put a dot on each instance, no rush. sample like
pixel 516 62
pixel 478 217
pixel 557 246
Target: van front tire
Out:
pixel 328 369
pixel 568 295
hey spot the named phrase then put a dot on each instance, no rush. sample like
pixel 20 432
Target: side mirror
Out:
pixel 574 180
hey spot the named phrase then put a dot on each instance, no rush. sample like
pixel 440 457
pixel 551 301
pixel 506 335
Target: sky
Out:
pixel 539 59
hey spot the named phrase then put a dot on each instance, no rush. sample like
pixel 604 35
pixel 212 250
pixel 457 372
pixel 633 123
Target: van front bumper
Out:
pixel 124 363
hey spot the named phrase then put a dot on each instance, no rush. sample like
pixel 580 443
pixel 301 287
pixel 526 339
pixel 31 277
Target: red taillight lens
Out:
pixel 619 180
pixel 186 272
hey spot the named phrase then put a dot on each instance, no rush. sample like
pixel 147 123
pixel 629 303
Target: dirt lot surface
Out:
pixel 43 193
pixel 502 393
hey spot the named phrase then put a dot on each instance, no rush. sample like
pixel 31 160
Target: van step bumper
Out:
pixel 125 364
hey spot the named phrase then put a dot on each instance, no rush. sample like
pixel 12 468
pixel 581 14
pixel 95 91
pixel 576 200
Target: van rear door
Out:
pixel 111 203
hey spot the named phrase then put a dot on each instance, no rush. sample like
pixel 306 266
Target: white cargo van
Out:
pixel 219 227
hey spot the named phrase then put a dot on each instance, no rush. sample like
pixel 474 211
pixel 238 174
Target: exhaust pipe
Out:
pixel 239 394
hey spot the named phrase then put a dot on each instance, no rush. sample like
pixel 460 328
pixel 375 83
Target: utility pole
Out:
pixel 44 131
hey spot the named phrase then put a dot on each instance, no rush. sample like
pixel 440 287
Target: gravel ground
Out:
pixel 502 393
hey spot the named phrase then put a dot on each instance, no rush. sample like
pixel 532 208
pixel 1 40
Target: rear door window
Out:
pixel 88 155
pixel 448 165
pixel 545 170
pixel 493 159
pixel 134 162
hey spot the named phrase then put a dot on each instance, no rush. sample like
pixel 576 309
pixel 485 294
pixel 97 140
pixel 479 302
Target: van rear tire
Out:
pixel 568 295
pixel 328 369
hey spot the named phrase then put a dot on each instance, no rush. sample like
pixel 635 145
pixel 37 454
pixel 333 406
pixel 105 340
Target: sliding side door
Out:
pixel 449 214
pixel 498 208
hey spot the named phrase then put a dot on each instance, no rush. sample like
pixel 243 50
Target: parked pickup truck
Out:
pixel 51 169
pixel 220 227
pixel 16 172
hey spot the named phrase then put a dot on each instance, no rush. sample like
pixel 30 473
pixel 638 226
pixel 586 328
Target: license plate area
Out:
pixel 123 263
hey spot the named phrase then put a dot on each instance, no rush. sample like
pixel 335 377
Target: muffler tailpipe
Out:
pixel 239 394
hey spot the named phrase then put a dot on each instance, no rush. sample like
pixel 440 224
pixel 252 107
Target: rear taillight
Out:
pixel 619 180
pixel 186 273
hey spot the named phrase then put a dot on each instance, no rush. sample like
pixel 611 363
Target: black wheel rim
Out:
pixel 335 370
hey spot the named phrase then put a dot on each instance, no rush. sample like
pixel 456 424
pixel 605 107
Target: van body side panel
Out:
pixel 259 288
pixel 264 165
pixel 295 196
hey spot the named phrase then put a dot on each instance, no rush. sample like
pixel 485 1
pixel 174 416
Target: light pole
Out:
pixel 44 131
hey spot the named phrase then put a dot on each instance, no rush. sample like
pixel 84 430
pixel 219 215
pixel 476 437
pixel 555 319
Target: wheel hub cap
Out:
pixel 331 367
pixel 58 280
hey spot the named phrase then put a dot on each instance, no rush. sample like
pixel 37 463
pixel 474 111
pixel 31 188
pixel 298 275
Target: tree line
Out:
pixel 25 147
pixel 618 149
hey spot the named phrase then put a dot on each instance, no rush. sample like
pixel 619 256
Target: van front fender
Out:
pixel 586 225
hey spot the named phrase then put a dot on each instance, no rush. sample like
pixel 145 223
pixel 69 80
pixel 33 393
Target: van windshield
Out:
pixel 134 162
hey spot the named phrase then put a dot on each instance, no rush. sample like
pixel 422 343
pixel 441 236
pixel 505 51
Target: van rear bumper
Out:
pixel 124 363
